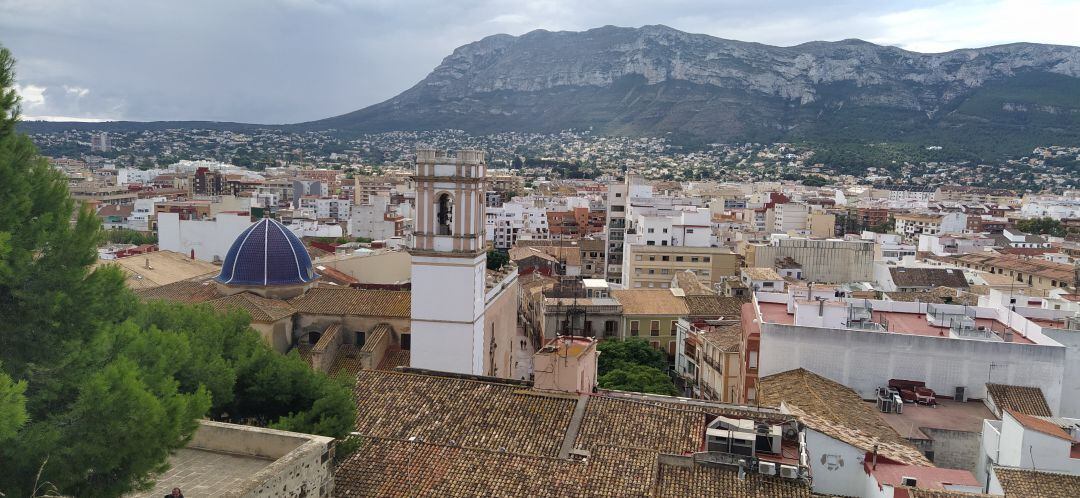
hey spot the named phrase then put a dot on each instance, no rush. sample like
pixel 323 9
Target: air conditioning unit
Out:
pixel 789 472
pixel 767 468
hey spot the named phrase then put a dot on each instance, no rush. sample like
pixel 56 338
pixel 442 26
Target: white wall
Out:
pixel 836 467
pixel 864 360
pixel 1070 388
pixel 448 313
pixel 208 238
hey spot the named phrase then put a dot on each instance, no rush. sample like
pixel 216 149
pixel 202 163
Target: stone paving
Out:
pixel 202 474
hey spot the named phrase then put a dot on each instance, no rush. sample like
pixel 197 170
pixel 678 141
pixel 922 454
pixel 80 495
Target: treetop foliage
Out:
pixel 97 387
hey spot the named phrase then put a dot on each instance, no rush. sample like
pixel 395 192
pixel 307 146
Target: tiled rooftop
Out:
pixel 259 308
pixel 708 306
pixel 469 413
pixel 1023 399
pixel 837 411
pixel 355 302
pixel 185 291
pixel 1023 482
pixel 477 436
pixel 650 302
pixel 637 424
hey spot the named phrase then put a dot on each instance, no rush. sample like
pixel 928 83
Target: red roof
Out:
pixel 1039 425
pixel 888 473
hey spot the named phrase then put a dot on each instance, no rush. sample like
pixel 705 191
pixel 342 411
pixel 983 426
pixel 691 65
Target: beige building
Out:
pixel 710 360
pixel 653 267
pixel 822 260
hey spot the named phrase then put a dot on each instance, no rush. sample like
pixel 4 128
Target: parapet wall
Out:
pixel 302 463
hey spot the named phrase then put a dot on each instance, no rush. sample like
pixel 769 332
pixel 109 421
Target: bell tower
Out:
pixel 449 261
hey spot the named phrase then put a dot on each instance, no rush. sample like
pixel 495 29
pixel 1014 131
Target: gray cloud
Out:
pixel 278 61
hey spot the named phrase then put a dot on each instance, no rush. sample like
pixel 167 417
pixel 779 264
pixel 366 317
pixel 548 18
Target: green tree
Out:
pixel 638 378
pixel 1042 226
pixel 616 353
pixel 12 406
pixel 249 381
pixel 101 411
pixel 497 259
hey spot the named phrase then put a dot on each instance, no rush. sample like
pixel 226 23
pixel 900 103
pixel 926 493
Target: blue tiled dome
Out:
pixel 265 254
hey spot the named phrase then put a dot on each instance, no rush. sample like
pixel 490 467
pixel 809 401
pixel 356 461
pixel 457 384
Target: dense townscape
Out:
pixel 330 309
pixel 580 154
pixel 822 333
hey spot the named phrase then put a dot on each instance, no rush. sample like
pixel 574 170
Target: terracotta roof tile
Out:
pixel 346 362
pixel 185 291
pixel 471 413
pixel 1040 425
pixel 837 411
pixel 260 309
pixel 722 306
pixel 650 302
pixel 395 357
pixel 355 302
pixel 727 338
pixel 475 436
pixel 1023 399
pixel 641 425
pixel 1023 482
pixel 928 277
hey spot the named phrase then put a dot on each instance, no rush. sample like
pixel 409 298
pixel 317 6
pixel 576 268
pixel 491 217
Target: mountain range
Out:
pixel 656 80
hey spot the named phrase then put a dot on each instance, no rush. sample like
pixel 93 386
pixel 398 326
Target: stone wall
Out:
pixel 954 449
pixel 302 463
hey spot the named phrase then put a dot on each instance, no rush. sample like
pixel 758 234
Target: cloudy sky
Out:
pixel 283 61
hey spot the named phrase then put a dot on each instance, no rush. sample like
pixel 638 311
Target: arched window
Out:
pixel 445 214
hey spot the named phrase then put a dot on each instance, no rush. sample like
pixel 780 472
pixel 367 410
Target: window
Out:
pixel 706 259
pixel 665 230
pixel 663 242
pixel 618 209
pixel 674 329
pixel 665 258
pixel 767 284
pixel 651 230
pixel 588 328
pixel 693 259
pixel 655 344
pixel 689 230
pixel 618 194
pixel 636 284
pixel 652 271
pixel 359 339
pixel 652 284
pixel 637 258
pixel 406 341
pixel 652 258
pixel 651 243
pixel 678 259
pixel 753 359
pixel 664 271
pixel 634 327
pixel 663 285
pixel 610 328
pixel 654 328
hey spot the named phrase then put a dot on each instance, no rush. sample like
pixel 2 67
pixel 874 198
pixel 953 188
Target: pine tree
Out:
pixel 102 406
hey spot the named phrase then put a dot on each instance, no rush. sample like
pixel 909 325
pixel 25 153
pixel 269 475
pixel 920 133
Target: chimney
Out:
pixel 873 466
pixel 566 364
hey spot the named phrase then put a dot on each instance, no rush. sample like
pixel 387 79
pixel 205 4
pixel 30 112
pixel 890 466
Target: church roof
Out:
pixel 266 254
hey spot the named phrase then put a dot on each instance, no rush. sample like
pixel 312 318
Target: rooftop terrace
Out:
pixel 895 322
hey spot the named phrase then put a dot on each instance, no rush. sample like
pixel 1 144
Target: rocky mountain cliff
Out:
pixel 655 80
